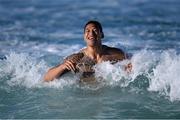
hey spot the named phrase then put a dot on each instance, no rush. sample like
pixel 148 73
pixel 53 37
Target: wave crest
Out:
pixel 153 71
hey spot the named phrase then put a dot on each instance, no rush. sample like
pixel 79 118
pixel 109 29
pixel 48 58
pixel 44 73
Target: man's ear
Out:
pixel 102 35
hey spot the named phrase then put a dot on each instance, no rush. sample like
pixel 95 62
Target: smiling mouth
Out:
pixel 91 38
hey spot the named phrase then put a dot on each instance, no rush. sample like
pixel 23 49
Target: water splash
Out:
pixel 153 71
pixel 113 75
pixel 28 72
pixel 23 69
pixel 165 77
pixel 160 68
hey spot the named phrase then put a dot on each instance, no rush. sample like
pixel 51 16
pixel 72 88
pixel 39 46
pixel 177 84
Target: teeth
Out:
pixel 91 38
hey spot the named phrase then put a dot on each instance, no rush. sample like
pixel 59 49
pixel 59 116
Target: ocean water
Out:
pixel 38 34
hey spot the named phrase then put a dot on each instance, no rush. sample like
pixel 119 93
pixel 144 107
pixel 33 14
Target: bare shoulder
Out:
pixel 114 51
pixel 83 50
pixel 75 56
pixel 113 54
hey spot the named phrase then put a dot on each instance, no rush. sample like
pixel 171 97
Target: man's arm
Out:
pixel 59 70
pixel 68 65
pixel 54 72
pixel 119 55
pixel 115 54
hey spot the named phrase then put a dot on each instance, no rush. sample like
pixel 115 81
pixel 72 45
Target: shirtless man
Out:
pixel 94 53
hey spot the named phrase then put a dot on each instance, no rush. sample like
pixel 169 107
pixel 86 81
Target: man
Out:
pixel 94 53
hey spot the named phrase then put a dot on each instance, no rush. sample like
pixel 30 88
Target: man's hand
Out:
pixel 71 62
pixel 128 67
pixel 70 65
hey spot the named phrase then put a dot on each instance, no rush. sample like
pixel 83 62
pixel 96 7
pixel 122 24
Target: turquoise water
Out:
pixel 38 34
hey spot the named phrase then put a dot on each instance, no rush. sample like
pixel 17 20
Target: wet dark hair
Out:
pixel 97 24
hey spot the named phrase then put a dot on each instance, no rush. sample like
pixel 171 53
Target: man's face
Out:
pixel 92 35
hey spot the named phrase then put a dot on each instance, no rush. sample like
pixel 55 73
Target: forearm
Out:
pixel 54 72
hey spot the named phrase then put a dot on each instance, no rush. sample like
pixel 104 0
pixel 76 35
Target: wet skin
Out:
pixel 94 50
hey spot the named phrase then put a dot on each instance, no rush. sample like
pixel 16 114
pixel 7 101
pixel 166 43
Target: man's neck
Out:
pixel 94 52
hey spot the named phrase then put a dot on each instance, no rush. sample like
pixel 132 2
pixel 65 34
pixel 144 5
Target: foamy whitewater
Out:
pixel 36 35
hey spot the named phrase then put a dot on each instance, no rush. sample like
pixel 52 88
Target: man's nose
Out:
pixel 92 33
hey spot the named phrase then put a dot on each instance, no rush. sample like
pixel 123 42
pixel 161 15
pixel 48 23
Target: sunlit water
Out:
pixel 38 34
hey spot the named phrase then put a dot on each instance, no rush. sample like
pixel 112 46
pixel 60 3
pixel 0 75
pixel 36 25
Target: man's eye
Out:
pixel 95 30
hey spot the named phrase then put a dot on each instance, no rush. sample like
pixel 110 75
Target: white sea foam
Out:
pixel 160 67
pixel 43 48
pixel 113 74
pixel 165 77
pixel 28 72
pixel 23 70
